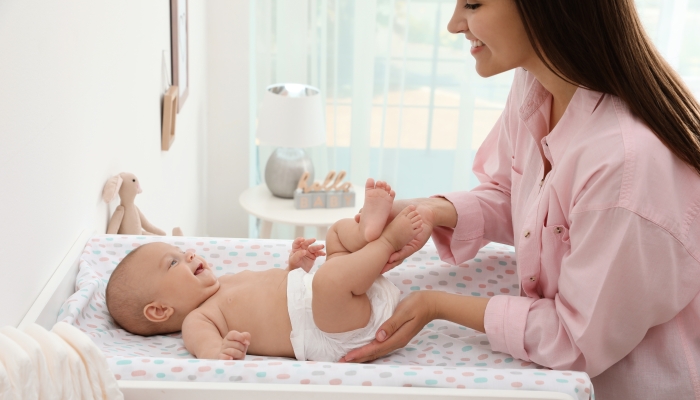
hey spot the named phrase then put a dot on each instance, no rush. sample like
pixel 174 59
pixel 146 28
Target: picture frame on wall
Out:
pixel 180 49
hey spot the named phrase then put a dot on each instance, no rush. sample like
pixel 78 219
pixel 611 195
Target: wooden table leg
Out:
pixel 321 232
pixel 265 229
pixel 298 231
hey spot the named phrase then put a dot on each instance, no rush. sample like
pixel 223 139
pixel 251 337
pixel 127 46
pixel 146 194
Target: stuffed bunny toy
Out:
pixel 127 218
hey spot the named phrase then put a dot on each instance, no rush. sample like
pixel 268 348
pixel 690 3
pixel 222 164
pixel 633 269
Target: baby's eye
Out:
pixel 172 263
pixel 471 6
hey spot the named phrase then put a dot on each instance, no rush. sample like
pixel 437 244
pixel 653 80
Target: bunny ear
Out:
pixel 111 188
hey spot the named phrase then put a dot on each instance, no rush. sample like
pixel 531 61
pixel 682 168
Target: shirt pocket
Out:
pixel 555 245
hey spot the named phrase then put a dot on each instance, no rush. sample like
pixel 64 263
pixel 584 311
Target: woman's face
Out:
pixel 498 37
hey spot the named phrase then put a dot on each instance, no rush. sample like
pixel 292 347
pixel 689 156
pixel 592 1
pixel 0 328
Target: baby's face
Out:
pixel 181 280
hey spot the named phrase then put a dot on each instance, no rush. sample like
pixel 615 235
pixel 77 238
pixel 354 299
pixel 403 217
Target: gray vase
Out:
pixel 284 169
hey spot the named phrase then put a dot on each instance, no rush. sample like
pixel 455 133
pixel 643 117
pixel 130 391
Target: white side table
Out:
pixel 259 202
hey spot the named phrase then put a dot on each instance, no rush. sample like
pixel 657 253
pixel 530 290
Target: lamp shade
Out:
pixel 291 115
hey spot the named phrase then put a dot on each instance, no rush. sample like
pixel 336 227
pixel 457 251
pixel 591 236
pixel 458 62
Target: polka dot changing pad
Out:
pixel 443 354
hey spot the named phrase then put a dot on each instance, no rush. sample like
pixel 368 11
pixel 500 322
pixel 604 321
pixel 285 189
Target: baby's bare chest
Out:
pixel 250 300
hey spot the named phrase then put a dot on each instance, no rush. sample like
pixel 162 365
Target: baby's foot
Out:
pixel 378 201
pixel 404 228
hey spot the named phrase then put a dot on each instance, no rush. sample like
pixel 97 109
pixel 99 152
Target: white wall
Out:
pixel 80 89
pixel 228 27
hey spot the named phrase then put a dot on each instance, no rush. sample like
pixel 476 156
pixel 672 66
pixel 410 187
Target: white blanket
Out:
pixel 62 364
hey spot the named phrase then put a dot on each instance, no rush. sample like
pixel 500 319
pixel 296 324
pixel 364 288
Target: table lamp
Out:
pixel 291 117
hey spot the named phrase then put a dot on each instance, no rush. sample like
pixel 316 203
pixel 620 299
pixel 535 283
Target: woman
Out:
pixel 593 173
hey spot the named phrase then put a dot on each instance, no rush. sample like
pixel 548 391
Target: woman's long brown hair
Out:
pixel 601 45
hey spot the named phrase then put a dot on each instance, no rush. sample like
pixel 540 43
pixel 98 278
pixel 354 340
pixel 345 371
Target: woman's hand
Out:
pixel 410 316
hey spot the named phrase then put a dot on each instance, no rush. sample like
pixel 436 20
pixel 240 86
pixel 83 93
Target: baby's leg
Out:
pixel 339 301
pixel 344 237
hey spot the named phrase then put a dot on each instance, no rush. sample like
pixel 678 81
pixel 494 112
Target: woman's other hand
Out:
pixel 410 316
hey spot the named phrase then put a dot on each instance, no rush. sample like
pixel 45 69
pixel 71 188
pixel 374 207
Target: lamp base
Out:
pixel 284 168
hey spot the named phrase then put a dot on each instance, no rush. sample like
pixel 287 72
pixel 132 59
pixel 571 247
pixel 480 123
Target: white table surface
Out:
pixel 258 201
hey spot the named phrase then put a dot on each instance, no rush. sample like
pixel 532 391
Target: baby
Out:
pixel 158 289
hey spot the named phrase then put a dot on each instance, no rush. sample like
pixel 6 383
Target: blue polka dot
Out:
pixel 562 381
pixel 503 263
pixel 233 253
pixel 480 380
pixel 415 287
pixel 123 362
pixel 261 374
pixel 461 285
pixel 467 348
pixel 510 360
pixel 431 382
pixel 160 375
pixel 478 270
pixel 251 254
pixel 477 259
pixel 476 294
pixel 219 371
pixel 158 362
pixel 409 373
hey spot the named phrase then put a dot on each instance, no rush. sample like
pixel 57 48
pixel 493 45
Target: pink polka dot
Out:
pixel 428 287
pixel 422 355
pixel 104 259
pixel 566 373
pixel 450 379
pixel 510 272
pixel 406 281
pixel 431 361
pixel 255 246
pixel 230 363
pixel 239 247
pixel 227 261
pixel 138 373
pixel 274 363
pixel 366 383
pixel 493 257
pixel 525 364
pixel 283 376
pixel 407 385
pixel 135 245
pixel 587 390
pixel 261 263
pixel 145 360
pixel 497 361
pixel 117 376
pixel 417 368
pixel 490 294
pixel 579 380
pixel 335 382
pixel 467 374
pixel 242 264
pixel 177 369
pixel 467 278
pixel 464 265
pixel 204 369
pixel 505 290
pixel 199 243
pixel 438 372
pixel 539 382
pixel 461 386
pixel 499 377
pixel 305 381
pixel 483 356
pixel 490 268
pixel 250 365
pixel 481 285
pixel 516 384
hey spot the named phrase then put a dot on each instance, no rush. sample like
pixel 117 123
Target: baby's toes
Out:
pixel 392 194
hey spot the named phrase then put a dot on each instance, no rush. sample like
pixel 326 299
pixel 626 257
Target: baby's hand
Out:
pixel 234 345
pixel 304 254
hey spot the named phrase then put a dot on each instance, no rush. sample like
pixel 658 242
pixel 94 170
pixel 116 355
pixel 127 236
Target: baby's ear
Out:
pixel 156 312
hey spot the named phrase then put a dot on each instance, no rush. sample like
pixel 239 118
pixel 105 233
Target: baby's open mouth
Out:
pixel 199 269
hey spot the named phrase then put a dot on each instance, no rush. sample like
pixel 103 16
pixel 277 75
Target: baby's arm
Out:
pixel 203 340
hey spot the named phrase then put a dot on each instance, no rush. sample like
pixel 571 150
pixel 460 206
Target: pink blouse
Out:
pixel 607 244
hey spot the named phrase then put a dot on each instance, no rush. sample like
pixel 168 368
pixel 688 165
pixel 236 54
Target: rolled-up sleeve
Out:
pixel 625 275
pixel 484 213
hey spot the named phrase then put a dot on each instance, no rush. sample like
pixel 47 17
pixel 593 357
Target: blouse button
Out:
pixel 532 278
pixel 527 233
pixel 558 229
pixel 541 182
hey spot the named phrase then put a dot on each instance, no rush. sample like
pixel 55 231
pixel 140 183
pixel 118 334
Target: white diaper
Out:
pixel 311 343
